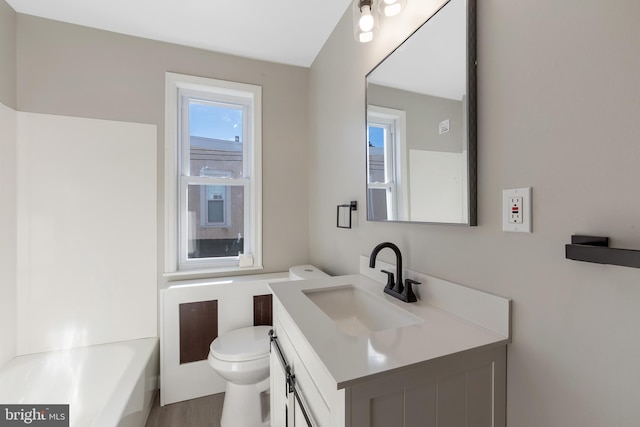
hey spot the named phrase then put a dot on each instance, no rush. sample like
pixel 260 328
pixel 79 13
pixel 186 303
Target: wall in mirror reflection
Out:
pixel 417 157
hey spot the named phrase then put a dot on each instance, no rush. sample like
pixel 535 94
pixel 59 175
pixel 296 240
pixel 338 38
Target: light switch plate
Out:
pixel 516 210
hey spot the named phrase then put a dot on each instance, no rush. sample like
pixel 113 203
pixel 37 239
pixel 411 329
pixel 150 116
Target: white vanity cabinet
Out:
pixel 445 371
pixel 319 403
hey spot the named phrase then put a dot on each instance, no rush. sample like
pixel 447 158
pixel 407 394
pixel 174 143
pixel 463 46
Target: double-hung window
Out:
pixel 213 185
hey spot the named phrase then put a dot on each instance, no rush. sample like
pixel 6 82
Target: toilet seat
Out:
pixel 242 344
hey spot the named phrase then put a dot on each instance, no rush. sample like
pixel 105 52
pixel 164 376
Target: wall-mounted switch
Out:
pixel 516 210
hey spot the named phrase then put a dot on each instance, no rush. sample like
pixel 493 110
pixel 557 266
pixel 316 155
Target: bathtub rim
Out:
pixel 142 366
pixel 146 351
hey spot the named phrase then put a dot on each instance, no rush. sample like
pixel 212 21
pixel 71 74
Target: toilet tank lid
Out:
pixel 242 344
pixel 306 271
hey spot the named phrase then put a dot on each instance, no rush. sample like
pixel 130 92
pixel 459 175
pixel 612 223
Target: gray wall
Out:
pixel 76 71
pixel 559 110
pixel 8 19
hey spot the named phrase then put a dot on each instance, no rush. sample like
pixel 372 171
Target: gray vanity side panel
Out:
pixel 465 390
pixel 479 393
pixel 451 399
pixel 387 409
pixel 423 401
pixel 8 30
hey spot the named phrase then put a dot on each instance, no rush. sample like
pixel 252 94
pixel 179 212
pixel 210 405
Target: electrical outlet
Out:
pixel 516 210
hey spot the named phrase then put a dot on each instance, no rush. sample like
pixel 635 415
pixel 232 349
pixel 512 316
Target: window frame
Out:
pixel 176 229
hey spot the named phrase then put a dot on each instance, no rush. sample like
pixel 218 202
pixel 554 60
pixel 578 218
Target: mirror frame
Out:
pixel 471 136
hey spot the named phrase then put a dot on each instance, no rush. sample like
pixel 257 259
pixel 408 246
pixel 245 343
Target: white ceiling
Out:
pixel 284 31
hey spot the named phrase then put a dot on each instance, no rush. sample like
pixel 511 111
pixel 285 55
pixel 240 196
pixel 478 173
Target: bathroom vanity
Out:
pixel 358 357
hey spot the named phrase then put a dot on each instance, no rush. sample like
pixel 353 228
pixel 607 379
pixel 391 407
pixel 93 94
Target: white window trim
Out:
pixel 253 244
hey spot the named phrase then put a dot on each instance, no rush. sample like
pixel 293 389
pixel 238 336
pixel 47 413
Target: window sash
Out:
pixel 193 263
pixel 388 150
pixel 233 103
pixel 389 183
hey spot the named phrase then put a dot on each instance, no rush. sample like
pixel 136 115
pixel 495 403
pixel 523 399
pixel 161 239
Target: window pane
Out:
pixel 378 204
pixel 215 137
pixel 215 212
pixel 215 221
pixel 376 169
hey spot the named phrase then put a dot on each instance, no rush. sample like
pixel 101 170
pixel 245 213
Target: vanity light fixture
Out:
pixel 367 12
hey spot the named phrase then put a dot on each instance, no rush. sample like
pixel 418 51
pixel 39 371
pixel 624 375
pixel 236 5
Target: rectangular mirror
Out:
pixel 421 124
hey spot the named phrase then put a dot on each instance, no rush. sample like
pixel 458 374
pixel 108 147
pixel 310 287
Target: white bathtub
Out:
pixel 108 385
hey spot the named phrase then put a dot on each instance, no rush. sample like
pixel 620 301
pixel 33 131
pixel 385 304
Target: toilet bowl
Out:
pixel 241 357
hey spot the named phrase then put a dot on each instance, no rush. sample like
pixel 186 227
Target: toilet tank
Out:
pixel 307 271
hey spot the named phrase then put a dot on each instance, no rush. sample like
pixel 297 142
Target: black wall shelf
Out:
pixel 596 249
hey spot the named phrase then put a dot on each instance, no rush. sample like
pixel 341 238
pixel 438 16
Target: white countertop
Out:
pixel 352 359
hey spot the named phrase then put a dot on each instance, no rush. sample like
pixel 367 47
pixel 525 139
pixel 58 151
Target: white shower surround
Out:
pixel 87 232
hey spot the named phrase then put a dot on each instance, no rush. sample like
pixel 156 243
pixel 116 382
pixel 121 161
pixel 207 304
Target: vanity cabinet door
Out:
pixel 287 407
pixel 324 405
pixel 279 394
pixel 300 420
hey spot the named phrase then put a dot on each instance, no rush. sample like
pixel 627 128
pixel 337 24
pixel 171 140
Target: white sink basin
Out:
pixel 356 312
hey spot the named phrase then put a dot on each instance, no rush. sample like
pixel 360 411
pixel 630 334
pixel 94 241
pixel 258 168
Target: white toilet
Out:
pixel 241 357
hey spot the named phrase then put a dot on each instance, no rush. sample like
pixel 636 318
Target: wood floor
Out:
pixel 202 412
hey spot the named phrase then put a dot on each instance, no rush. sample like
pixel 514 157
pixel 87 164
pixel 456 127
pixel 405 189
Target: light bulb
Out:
pixel 392 9
pixel 365 37
pixel 366 20
pixel 389 8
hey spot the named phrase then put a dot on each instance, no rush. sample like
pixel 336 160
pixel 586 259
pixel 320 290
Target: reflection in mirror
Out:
pixel 421 145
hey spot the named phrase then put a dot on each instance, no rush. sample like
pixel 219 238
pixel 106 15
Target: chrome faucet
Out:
pixel 395 288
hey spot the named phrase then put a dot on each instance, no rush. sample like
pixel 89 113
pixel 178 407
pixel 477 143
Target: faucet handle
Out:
pixel 408 290
pixel 390 279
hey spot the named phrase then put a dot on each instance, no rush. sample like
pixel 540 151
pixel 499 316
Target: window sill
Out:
pixel 207 273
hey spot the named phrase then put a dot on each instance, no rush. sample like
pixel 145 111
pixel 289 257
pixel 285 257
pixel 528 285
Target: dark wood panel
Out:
pixel 263 310
pixel 198 328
